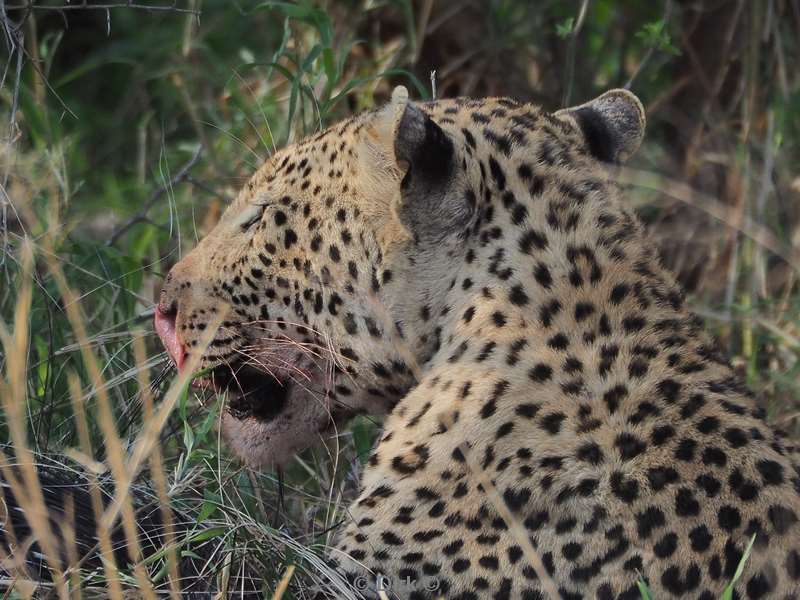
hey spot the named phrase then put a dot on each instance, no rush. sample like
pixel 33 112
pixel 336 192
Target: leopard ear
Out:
pixel 421 147
pixel 613 124
pixel 422 153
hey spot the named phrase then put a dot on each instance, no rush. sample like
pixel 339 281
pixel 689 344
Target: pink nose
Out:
pixel 165 328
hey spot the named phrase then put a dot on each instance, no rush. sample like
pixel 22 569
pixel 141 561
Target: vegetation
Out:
pixel 126 129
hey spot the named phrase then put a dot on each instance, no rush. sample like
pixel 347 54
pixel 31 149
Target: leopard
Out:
pixel 557 422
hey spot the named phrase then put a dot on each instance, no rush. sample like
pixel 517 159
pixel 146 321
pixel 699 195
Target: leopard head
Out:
pixel 330 273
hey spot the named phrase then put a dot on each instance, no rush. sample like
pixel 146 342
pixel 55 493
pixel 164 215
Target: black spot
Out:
pixel 498 174
pixel 540 373
pixel 290 238
pixel 516 499
pixel 618 293
pixel 489 562
pixel 531 239
pixel 793 564
pixel 468 314
pixel 542 275
pixel 771 472
pixel 729 518
pixel 660 477
pixel 613 396
pixel 781 517
pixel 648 520
pixel 583 310
pixel 709 484
pixel 552 422
pixel 666 546
pixel 625 490
pixel 685 503
pixel 350 324
pixel 735 437
pixel 633 324
pixel 460 565
pixel 527 410
pixel 759 586
pixel 662 434
pixel 708 425
pixel 714 456
pixel 629 446
pixel 669 390
pixel 590 452
pixel 548 311
pixel 518 296
pixel 685 449
pixel 700 538
pixel 391 539
pixel 571 551
pixel 558 342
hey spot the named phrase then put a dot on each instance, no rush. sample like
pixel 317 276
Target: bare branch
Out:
pixel 172 7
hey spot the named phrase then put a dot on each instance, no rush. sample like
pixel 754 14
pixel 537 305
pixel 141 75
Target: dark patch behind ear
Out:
pixel 432 208
pixel 423 145
pixel 598 137
pixel 612 124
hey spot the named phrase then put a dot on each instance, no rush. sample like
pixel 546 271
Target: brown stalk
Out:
pixel 116 454
pixel 104 539
pixel 29 494
pixel 157 469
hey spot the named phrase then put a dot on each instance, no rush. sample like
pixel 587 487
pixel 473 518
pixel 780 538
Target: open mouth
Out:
pixel 251 392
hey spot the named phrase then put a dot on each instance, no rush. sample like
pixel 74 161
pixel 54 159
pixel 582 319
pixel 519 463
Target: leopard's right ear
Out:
pixel 612 124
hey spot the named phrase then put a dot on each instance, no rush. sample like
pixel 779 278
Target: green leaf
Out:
pixel 644 591
pixel 208 534
pixel 564 29
pixel 728 593
pixel 363 437
pixel 209 508
pixel 655 35
pixel 188 437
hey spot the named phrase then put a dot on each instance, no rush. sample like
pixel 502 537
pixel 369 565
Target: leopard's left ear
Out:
pixel 422 156
pixel 613 124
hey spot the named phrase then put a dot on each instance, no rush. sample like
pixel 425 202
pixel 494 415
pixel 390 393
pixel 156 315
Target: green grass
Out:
pixel 135 110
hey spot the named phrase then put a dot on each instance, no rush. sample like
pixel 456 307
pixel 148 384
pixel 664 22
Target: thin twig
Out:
pixel 652 49
pixel 710 205
pixel 182 174
pixel 573 43
pixel 112 5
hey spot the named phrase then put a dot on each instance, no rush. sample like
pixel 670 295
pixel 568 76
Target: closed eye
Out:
pixel 250 216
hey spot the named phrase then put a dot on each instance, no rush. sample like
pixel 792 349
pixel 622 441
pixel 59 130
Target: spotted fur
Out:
pixel 469 268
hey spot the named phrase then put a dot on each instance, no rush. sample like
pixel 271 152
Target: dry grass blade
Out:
pixel 514 526
pixel 683 192
pixel 115 452
pixel 149 436
pixel 113 585
pixel 68 535
pixel 283 584
pixel 157 470
pixel 28 491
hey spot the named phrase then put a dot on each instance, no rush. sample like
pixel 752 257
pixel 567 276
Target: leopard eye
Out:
pixel 250 216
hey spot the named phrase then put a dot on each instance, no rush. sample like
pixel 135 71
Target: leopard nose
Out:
pixel 165 328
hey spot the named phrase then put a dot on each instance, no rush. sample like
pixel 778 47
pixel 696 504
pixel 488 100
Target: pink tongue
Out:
pixel 165 328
